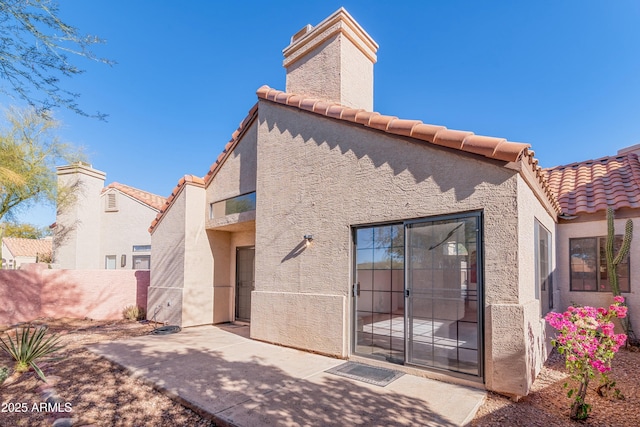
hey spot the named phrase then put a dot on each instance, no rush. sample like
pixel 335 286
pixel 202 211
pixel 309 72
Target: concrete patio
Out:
pixel 222 374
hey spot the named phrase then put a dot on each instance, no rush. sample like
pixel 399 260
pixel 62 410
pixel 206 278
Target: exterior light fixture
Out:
pixel 308 238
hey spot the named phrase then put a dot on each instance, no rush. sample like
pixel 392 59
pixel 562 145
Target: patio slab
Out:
pixel 236 381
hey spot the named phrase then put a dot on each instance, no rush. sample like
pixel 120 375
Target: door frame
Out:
pixel 235 287
pixel 479 214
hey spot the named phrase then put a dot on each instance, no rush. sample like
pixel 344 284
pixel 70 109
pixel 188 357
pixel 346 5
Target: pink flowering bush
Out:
pixel 587 339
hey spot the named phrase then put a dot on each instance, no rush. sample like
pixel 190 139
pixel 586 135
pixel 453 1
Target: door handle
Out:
pixel 356 289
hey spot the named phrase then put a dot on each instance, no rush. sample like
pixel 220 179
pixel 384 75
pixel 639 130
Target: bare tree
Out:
pixel 35 51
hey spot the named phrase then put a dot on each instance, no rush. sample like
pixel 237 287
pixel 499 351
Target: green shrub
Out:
pixel 4 373
pixel 29 345
pixel 133 312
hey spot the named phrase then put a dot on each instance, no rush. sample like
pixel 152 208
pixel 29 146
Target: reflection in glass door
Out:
pixel 443 328
pixel 379 292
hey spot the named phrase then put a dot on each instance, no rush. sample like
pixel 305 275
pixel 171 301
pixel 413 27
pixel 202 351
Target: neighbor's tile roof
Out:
pixel 28 247
pixel 593 185
pixel 149 199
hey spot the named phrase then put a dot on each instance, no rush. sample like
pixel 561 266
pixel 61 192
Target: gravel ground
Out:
pixel 99 392
pixel 548 404
pixel 102 394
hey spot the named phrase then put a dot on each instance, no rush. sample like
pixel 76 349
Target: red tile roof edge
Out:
pixel 184 181
pixel 19 246
pixel 490 147
pixel 215 167
pixel 228 148
pixel 152 200
pixel 581 190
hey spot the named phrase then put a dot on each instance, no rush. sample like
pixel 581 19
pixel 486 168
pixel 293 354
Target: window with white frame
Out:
pixel 141 262
pixel 588 265
pixel 110 262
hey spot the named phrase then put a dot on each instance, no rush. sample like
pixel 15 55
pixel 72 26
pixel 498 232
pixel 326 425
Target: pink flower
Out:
pixel 618 298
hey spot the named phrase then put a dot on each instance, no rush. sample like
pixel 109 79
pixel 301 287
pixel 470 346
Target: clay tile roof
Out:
pixel 228 148
pixel 184 181
pixel 152 200
pixel 494 148
pixel 28 247
pixel 593 185
pixel 486 146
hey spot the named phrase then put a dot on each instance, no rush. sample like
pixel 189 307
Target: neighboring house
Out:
pixel 17 251
pixel 585 190
pixel 105 227
pixel 334 229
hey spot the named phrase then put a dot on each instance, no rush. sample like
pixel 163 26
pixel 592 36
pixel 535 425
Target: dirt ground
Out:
pixel 97 392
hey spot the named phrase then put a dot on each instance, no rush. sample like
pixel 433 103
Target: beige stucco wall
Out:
pixel 336 70
pixel 78 226
pixel 568 230
pixel 318 176
pixel 167 274
pixel 124 228
pixel 238 173
pixel 518 346
pixel 181 290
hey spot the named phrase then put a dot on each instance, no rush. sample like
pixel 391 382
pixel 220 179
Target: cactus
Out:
pixel 612 264
pixel 614 259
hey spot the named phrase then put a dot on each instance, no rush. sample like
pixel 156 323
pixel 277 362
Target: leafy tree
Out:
pixel 29 151
pixel 35 49
pixel 26 231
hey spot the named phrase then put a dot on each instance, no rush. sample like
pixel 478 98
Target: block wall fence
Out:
pixel 37 291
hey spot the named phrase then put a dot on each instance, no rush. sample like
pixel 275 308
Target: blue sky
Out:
pixel 563 76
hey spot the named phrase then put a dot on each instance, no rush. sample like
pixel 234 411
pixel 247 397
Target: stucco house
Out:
pixel 17 251
pixel 335 229
pixel 585 190
pixel 104 227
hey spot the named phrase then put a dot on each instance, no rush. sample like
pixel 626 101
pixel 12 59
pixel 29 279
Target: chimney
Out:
pixel 332 61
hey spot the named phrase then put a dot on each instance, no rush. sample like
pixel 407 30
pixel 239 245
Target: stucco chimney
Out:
pixel 332 61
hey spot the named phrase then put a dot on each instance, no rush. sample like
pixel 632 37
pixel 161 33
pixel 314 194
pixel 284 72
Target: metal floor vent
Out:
pixel 365 373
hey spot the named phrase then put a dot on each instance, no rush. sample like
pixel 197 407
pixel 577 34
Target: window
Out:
pixel 141 262
pixel 544 282
pixel 141 248
pixel 110 262
pixel 588 264
pixel 244 203
pixel 111 203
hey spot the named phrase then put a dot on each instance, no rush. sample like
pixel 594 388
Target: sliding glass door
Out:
pixel 416 293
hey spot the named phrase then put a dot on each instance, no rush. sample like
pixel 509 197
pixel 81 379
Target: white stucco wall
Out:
pixel 596 228
pixel 318 176
pixel 124 228
pixel 77 236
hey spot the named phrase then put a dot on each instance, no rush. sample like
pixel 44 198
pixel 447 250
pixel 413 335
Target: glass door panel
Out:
pixel 379 292
pixel 443 329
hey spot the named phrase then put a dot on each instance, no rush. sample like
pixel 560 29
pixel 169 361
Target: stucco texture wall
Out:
pixel 36 291
pixel 321 177
pixel 167 274
pixel 124 228
pixel 517 344
pixel 238 173
pixel 569 230
pixel 181 291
